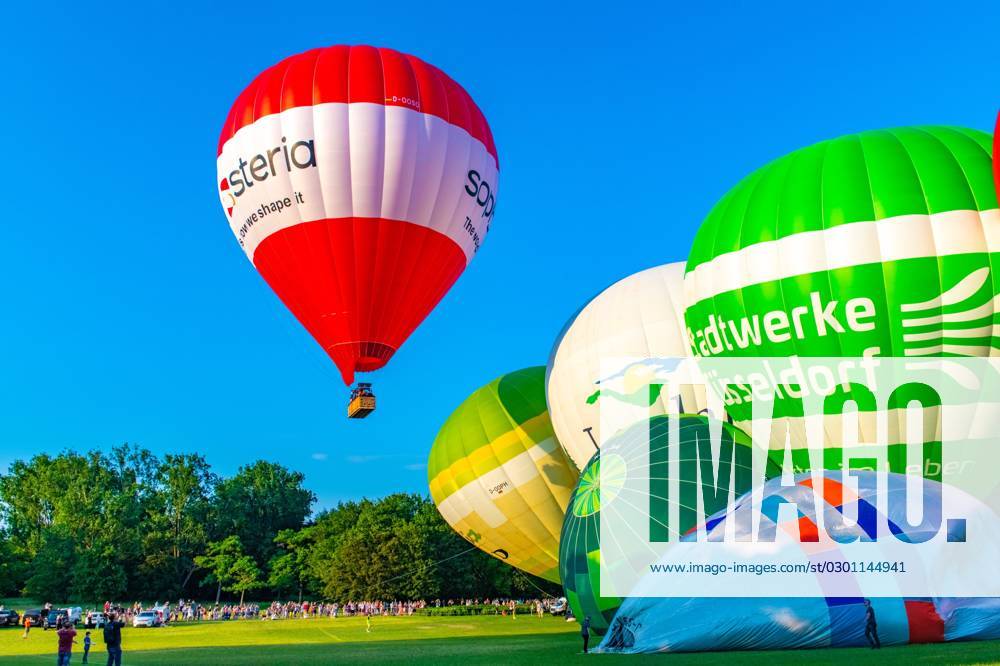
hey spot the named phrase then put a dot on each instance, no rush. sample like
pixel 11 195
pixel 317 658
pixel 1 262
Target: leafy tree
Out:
pixel 122 523
pixel 381 555
pixel 219 560
pixel 64 508
pixel 289 569
pixel 176 522
pixel 243 576
pixel 23 511
pixel 13 568
pixel 97 574
pixel 399 547
pixel 260 501
pixel 52 570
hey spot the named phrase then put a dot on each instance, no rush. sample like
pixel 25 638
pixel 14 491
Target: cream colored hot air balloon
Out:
pixel 640 317
pixel 499 477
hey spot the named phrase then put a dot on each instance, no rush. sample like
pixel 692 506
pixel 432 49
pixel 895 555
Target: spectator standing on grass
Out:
pixel 86 646
pixel 113 640
pixel 585 632
pixel 27 627
pixel 871 627
pixel 66 634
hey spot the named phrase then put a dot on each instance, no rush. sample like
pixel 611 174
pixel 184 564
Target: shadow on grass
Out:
pixel 556 650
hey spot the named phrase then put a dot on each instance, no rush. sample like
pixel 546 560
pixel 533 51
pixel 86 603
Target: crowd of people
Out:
pixel 506 606
pixel 305 610
pixel 186 610
pixel 115 616
pixel 192 611
pixel 546 603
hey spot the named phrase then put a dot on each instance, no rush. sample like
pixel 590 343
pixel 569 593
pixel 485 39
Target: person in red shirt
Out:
pixel 66 635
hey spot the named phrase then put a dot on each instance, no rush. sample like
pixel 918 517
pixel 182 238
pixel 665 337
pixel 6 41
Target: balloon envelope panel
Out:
pixel 639 317
pixel 608 475
pixel 579 553
pixel 498 475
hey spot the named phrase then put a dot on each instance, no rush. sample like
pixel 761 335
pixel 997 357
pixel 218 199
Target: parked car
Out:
pixel 558 606
pixel 9 618
pixel 146 619
pixel 34 615
pixel 75 614
pixel 95 620
pixel 54 618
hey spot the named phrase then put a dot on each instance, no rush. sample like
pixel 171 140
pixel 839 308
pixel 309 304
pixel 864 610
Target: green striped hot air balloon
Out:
pixel 580 554
pixel 499 477
pixel 880 243
pixel 615 474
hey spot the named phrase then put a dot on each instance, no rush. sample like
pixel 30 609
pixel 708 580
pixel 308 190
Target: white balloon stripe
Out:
pixel 962 291
pixel 368 160
pixel 758 263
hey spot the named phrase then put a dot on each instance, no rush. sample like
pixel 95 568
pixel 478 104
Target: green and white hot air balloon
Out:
pixel 499 477
pixel 880 243
pixel 633 470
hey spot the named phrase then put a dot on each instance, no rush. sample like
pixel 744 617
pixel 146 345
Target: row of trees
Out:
pixel 126 524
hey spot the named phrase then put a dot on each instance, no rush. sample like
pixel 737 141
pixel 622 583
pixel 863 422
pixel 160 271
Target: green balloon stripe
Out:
pixel 857 178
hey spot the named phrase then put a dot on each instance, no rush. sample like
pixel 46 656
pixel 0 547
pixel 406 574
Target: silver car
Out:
pixel 146 619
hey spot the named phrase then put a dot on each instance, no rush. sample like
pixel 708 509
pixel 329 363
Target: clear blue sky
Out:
pixel 130 313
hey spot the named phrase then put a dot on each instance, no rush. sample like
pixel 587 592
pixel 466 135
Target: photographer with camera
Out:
pixel 113 639
pixel 66 634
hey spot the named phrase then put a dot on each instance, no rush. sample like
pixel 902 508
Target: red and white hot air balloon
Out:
pixel 360 182
pixel 996 147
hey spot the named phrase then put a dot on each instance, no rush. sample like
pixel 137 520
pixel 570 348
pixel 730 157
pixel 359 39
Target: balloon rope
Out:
pixel 532 584
pixel 429 564
pixel 459 554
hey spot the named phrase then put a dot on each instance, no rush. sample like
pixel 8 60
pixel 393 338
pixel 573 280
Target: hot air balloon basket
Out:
pixel 360 406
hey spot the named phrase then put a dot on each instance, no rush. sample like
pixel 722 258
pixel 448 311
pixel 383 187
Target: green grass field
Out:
pixel 469 640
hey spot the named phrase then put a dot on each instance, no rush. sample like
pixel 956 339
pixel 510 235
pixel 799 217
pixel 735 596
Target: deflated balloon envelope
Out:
pixel 730 623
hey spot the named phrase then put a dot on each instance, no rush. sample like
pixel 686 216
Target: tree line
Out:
pixel 126 524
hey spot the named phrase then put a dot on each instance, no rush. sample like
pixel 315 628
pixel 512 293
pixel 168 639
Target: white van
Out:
pixel 558 606
pixel 74 614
